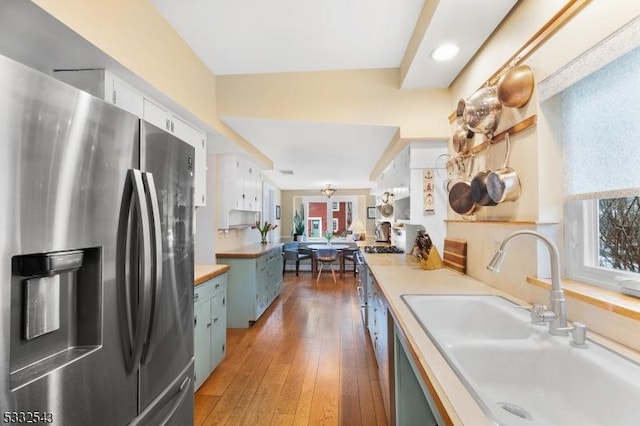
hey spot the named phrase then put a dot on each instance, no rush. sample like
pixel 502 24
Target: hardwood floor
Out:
pixel 307 361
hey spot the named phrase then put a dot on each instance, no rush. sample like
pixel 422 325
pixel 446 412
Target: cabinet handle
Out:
pixel 217 286
pixel 172 127
pixel 195 321
pixel 196 297
pixel 166 124
pixel 224 301
pixel 114 97
pixel 208 325
pixel 215 320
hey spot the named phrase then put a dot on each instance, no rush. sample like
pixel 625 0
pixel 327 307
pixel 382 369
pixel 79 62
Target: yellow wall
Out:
pixel 369 97
pixel 288 207
pixel 536 152
pixel 138 37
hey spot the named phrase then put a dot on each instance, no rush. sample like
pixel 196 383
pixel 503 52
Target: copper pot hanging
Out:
pixel 515 87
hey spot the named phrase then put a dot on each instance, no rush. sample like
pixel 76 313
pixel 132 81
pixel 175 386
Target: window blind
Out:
pixel 601 132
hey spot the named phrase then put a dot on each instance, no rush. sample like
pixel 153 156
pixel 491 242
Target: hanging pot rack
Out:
pixel 563 16
pixel 513 130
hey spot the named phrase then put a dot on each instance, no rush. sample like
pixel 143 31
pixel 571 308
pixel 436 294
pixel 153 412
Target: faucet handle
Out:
pixel 541 315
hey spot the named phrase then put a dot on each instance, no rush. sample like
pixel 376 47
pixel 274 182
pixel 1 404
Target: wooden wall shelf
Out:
pixel 513 130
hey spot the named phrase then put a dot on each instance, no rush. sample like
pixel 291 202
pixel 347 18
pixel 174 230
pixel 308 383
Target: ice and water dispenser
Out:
pixel 55 315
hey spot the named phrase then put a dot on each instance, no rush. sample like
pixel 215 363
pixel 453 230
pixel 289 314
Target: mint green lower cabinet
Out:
pixel 413 402
pixel 210 326
pixel 253 284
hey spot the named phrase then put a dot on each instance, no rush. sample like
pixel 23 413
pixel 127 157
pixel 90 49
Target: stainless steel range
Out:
pixel 361 273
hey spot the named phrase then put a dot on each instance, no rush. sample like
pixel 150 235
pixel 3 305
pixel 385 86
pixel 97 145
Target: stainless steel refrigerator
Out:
pixel 96 260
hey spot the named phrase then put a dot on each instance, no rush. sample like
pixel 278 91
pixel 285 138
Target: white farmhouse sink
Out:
pixel 521 375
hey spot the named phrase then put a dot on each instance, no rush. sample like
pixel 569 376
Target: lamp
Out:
pixel 328 191
pixel 356 228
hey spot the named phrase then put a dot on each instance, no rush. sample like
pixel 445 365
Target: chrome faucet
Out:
pixel 556 317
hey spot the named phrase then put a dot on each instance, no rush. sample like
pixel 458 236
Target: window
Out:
pixel 601 179
pixel 602 240
pixel 619 233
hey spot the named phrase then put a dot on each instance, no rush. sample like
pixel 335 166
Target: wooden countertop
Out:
pixel 203 273
pixel 248 251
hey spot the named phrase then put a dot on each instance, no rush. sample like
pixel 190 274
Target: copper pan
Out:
pixel 515 87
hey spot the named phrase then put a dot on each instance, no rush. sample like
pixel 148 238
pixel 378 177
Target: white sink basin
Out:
pixel 520 374
pixel 470 316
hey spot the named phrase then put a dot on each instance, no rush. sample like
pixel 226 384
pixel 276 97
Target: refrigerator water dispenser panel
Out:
pixel 42 310
pixel 55 311
pixel 42 292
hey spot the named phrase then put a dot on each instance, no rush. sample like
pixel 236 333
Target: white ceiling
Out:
pixel 270 36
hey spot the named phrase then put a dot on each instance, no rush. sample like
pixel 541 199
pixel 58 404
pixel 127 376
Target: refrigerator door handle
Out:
pixel 182 391
pixel 134 330
pixel 156 243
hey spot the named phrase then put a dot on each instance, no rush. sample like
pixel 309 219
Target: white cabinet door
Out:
pixel 156 114
pixel 196 138
pixel 125 97
pixel 218 328
pixel 104 85
pixel 202 341
pixel 239 186
pixel 250 184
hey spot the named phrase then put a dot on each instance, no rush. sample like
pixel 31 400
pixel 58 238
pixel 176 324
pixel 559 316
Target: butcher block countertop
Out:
pixel 206 272
pixel 249 251
pixel 399 274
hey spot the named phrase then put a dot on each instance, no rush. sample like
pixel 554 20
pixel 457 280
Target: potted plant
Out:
pixel 264 230
pixel 298 223
pixel 328 235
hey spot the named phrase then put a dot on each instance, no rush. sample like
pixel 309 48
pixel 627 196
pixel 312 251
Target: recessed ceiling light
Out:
pixel 286 171
pixel 445 52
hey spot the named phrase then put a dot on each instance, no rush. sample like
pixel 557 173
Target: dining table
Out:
pixel 337 246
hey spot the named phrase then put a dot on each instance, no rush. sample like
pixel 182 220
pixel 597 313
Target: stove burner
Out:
pixel 382 249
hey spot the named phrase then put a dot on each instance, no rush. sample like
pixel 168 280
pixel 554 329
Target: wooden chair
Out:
pixel 349 255
pixel 324 257
pixel 294 253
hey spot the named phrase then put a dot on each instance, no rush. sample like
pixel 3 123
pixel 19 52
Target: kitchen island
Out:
pixel 254 281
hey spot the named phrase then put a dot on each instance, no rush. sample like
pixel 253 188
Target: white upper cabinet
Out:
pixel 240 189
pixel 103 84
pixel 123 95
pixel 156 114
pixel 198 139
pixel 396 174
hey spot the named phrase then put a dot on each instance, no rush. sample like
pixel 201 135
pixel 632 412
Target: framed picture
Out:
pixel 277 212
pixel 371 212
